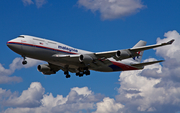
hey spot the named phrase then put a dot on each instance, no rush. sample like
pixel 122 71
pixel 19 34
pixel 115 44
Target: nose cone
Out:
pixel 15 46
pixel 9 45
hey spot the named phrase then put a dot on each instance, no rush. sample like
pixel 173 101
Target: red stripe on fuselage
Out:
pixel 124 67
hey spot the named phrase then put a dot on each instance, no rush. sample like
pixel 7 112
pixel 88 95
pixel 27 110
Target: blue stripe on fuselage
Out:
pixel 115 68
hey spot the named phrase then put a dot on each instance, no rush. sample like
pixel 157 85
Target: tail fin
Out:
pixel 139 44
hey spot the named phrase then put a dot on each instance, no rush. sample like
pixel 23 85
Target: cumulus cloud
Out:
pixel 148 97
pixel 112 9
pixel 33 100
pixel 5 74
pixel 29 98
pixel 39 3
pixel 108 106
pixel 173 51
pixel 4 94
pixel 157 87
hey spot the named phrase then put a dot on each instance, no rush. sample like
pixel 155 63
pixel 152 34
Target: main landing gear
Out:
pixel 67 74
pixel 24 62
pixel 80 73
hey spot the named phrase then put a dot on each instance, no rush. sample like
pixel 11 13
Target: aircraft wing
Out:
pixel 100 57
pixel 146 63
pixel 95 63
pixel 142 48
pixel 129 53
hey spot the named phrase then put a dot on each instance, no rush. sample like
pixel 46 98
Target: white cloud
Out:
pixel 29 98
pixel 39 3
pixel 82 91
pixel 172 51
pixel 33 100
pixel 27 2
pixel 147 97
pixel 16 64
pixel 112 9
pixel 4 94
pixel 108 106
pixel 156 86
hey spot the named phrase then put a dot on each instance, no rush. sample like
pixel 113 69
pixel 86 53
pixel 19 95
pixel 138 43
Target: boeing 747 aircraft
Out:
pixel 69 59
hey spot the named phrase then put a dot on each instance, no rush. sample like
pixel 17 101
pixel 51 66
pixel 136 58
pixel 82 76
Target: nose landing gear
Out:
pixel 24 62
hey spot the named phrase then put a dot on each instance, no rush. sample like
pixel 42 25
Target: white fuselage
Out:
pixel 43 49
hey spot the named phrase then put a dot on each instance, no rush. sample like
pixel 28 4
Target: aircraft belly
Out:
pixel 28 50
pixel 103 69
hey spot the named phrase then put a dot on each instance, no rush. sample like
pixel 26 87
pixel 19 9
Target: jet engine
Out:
pixel 85 58
pixel 45 69
pixel 120 54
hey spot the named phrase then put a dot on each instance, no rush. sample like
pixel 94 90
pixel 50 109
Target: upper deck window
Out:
pixel 20 36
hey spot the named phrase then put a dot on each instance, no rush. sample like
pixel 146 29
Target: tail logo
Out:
pixel 137 57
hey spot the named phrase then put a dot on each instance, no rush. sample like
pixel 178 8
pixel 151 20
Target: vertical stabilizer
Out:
pixel 139 44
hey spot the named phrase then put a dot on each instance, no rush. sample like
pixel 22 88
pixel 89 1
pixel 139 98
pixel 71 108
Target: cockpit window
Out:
pixel 20 36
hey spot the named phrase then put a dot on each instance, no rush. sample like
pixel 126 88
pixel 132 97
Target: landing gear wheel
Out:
pixel 68 76
pixel 24 62
pixel 87 72
pixel 77 74
pixel 80 75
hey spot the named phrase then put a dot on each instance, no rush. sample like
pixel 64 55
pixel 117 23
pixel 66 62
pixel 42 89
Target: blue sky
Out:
pixel 97 25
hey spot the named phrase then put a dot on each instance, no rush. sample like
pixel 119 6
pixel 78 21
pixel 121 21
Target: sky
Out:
pixel 93 25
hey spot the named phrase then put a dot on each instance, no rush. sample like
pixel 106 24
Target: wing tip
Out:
pixel 171 41
pixel 161 60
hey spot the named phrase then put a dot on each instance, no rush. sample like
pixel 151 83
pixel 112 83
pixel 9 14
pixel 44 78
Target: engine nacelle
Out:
pixel 45 69
pixel 85 58
pixel 122 54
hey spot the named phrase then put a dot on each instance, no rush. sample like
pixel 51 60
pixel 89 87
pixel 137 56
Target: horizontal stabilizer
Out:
pixel 146 63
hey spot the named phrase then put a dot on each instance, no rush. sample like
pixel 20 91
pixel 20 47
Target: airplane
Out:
pixel 69 59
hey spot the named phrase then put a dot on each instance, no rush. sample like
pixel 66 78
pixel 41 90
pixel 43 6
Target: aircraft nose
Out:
pixel 9 44
pixel 16 47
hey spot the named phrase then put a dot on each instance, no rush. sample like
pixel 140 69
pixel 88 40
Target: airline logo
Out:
pixel 69 49
pixel 137 57
pixel 23 41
